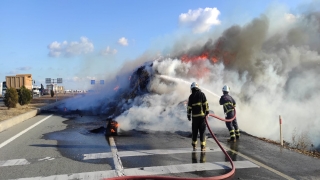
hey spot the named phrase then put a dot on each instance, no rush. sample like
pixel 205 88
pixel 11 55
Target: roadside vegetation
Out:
pixel 25 96
pixel 11 98
pixel 300 142
pixel 52 93
pixel 14 96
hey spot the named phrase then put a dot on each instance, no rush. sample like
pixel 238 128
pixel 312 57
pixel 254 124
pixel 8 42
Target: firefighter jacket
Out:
pixel 228 103
pixel 197 104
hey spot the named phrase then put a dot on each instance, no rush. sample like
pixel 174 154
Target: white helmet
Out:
pixel 194 85
pixel 226 88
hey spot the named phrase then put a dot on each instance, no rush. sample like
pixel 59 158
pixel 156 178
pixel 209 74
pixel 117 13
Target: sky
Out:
pixel 80 41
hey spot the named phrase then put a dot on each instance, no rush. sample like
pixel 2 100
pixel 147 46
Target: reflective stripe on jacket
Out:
pixel 197 104
pixel 228 103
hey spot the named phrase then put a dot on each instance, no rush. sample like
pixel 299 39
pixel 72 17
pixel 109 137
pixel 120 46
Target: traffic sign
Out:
pixel 48 80
pixel 59 80
pixel 93 81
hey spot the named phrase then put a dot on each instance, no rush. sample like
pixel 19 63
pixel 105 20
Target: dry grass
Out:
pixel 301 143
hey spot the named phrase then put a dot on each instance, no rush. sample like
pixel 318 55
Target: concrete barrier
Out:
pixel 5 124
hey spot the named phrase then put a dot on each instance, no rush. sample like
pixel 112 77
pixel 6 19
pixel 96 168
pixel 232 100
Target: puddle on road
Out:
pixel 83 135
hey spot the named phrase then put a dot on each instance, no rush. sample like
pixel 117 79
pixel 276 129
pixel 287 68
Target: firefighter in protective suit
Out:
pixel 228 107
pixel 198 109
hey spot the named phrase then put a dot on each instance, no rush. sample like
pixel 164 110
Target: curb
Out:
pixel 6 124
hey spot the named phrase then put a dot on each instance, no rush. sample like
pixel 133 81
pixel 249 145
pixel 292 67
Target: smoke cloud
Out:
pixel 271 65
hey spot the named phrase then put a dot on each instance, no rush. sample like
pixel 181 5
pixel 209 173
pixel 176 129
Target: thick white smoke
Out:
pixel 272 71
pixel 271 64
pixel 164 108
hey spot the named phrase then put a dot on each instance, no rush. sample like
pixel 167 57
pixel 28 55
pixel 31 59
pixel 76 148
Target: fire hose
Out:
pixel 224 176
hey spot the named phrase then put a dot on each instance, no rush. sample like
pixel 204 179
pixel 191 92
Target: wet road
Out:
pixel 74 147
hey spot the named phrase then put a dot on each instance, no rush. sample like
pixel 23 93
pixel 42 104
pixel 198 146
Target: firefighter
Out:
pixel 198 109
pixel 228 107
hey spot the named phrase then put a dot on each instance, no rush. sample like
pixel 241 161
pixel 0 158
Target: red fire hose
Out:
pixel 224 176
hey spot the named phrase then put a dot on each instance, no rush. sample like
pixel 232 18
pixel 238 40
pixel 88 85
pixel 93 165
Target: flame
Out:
pixel 116 88
pixel 114 125
pixel 199 69
pixel 187 58
pixel 218 52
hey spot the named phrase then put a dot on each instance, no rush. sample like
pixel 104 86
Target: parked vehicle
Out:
pixel 46 91
pixel 19 80
pixel 3 88
pixel 36 90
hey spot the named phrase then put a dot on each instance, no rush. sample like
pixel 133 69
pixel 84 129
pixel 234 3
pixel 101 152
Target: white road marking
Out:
pixel 256 162
pixel 98 175
pixel 183 168
pixel 46 158
pixel 18 162
pixel 116 158
pixel 14 162
pixel 154 170
pixel 22 132
pixel 144 153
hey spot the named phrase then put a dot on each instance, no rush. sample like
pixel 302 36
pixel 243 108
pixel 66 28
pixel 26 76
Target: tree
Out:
pixel 25 95
pixel 11 98
pixel 52 93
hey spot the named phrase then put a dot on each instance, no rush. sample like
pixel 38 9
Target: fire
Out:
pixel 116 88
pixel 113 126
pixel 187 58
pixel 200 70
pixel 217 53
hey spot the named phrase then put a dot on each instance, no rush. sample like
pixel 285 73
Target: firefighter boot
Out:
pixel 232 136
pixel 203 148
pixel 237 132
pixel 194 145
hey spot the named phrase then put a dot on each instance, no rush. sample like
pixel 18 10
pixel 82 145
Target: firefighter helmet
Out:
pixel 226 88
pixel 194 85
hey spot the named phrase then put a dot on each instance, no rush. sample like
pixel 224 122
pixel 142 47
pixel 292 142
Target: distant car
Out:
pixel 36 90
pixel 46 92
pixel 67 91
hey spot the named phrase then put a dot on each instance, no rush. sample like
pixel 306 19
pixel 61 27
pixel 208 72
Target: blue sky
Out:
pixel 81 40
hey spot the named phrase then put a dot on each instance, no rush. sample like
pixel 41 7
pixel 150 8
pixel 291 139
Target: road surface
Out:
pixel 73 147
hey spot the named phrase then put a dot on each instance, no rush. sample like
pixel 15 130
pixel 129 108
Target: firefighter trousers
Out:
pixel 232 126
pixel 198 126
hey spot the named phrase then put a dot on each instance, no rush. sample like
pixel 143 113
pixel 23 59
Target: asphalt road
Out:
pixel 74 147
